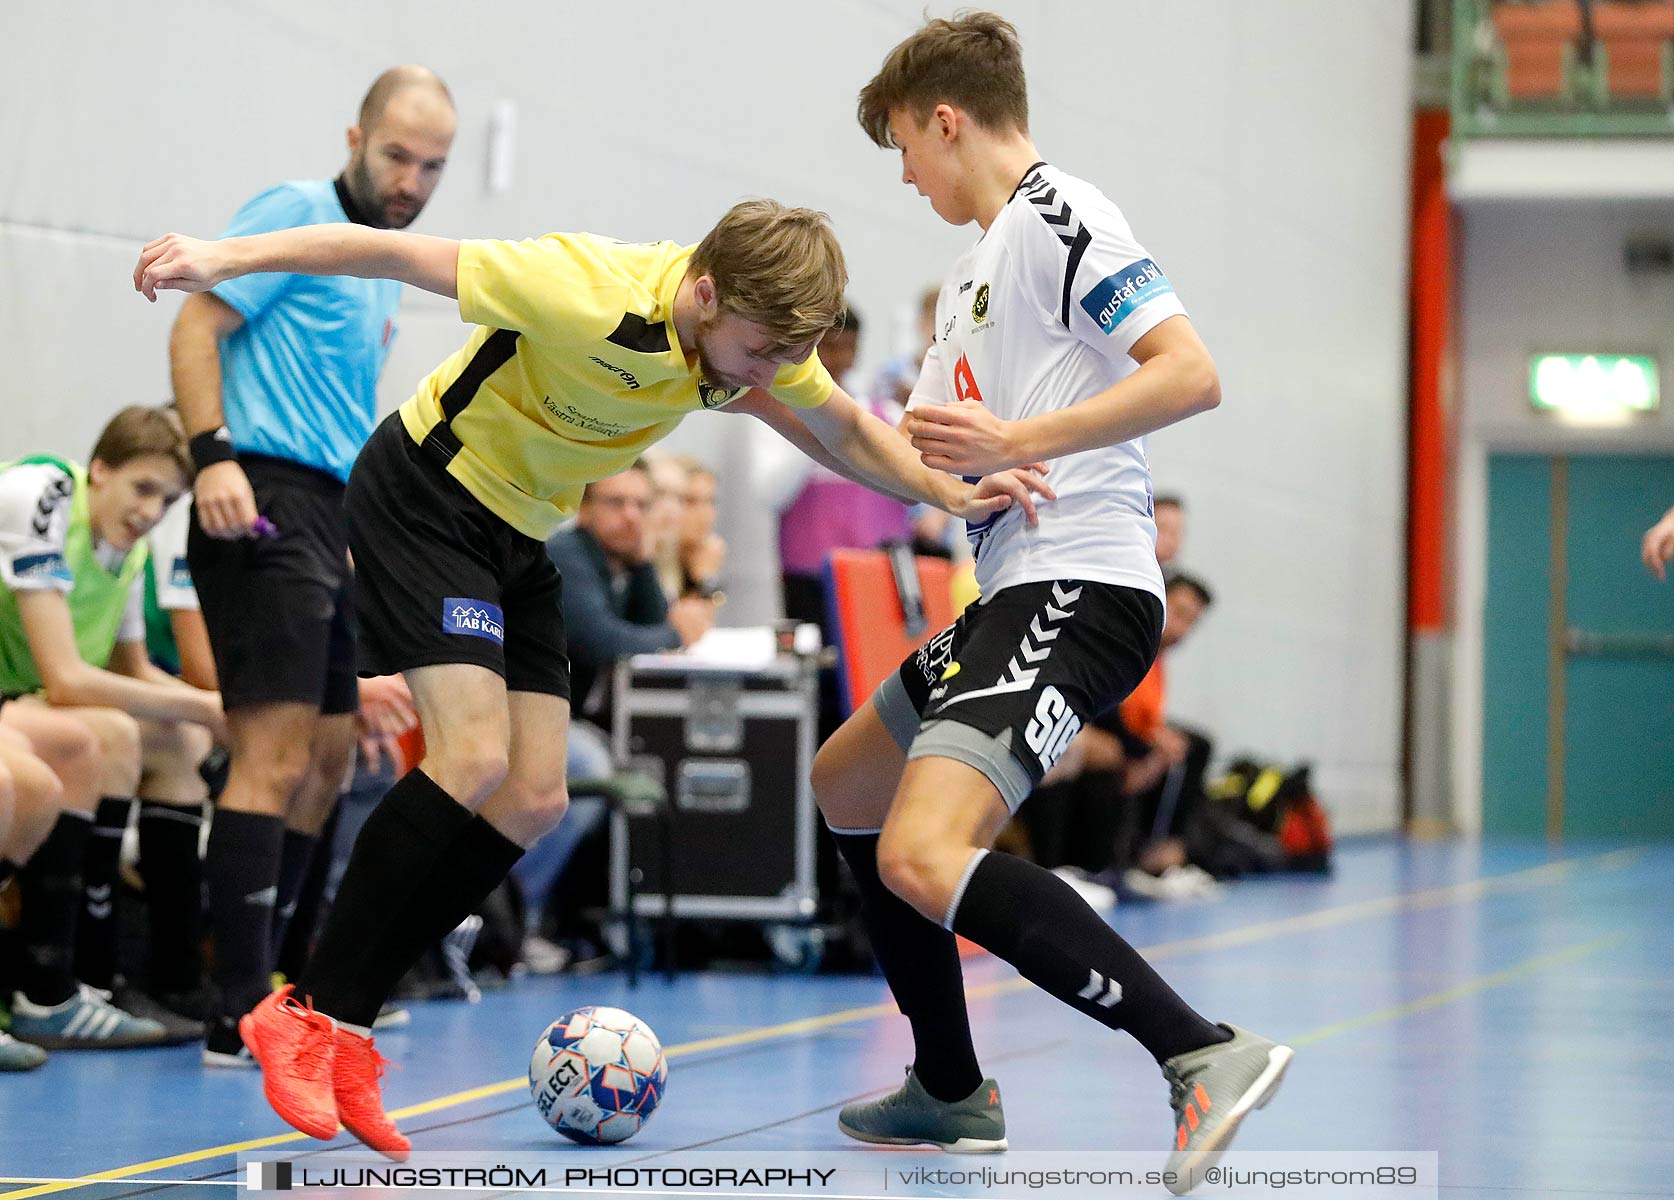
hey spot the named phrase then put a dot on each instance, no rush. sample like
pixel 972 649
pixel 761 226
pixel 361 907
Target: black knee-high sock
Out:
pixel 242 867
pixel 295 942
pixel 476 863
pixel 1036 922
pixel 920 960
pixel 294 861
pixel 52 899
pixel 403 852
pixel 96 929
pixel 173 870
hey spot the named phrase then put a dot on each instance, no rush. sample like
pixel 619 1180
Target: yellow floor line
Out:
pixel 1532 877
pixel 1460 991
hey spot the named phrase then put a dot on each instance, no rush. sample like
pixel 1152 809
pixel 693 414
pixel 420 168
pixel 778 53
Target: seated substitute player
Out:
pixel 42 840
pixel 1058 340
pixel 72 642
pixel 587 351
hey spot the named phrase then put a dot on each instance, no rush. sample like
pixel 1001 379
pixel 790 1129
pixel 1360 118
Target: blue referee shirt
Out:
pixel 300 377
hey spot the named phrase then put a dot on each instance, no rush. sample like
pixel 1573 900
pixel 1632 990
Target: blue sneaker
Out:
pixel 86 1021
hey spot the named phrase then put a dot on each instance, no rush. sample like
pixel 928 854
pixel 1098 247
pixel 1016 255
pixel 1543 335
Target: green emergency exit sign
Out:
pixel 1593 386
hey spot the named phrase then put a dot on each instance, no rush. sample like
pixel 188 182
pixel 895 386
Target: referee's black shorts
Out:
pixel 280 610
pixel 441 579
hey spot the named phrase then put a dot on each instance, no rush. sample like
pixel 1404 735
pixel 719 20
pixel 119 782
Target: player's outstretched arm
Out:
pixel 875 454
pixel 175 262
pixel 1176 379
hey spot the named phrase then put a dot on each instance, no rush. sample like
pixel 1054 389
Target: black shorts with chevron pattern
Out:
pixel 1039 660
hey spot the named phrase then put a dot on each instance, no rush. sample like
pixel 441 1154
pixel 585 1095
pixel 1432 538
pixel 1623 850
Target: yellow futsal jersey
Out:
pixel 575 371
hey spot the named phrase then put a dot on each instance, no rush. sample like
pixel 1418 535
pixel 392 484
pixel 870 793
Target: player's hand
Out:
pixel 226 502
pixel 379 749
pixel 177 263
pixel 964 438
pixel 1658 547
pixel 996 493
pixel 386 707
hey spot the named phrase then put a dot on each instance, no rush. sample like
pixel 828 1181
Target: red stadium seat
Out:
pixel 1633 44
pixel 1539 42
pixel 871 628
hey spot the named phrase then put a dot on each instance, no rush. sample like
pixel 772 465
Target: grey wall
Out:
pixel 1259 151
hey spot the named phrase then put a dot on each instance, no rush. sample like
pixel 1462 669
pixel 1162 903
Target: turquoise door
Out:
pixel 1578 680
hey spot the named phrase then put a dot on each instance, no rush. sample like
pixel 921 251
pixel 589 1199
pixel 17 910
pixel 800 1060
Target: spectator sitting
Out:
pixel 703 552
pixel 1076 816
pixel 831 512
pixel 612 604
pixel 1163 776
pixel 664 518
pixel 613 608
pixel 72 644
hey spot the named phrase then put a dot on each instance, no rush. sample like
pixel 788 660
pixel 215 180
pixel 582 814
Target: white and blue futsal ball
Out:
pixel 597 1075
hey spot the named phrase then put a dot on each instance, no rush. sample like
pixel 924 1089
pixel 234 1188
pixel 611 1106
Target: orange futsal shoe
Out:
pixel 294 1046
pixel 354 1079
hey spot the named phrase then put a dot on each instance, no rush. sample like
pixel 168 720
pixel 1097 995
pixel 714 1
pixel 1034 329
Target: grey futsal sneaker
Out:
pixel 911 1116
pixel 19 1056
pixel 1211 1091
pixel 86 1021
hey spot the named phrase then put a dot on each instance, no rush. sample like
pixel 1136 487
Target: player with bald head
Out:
pixel 276 379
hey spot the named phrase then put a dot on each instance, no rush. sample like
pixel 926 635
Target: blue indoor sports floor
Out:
pixel 1506 1005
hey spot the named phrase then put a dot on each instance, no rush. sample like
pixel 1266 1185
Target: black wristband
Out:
pixel 210 447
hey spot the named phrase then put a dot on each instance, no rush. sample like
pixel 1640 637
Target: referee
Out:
pixel 276 377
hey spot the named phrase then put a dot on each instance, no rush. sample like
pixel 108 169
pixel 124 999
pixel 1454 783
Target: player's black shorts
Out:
pixel 1007 685
pixel 280 610
pixel 444 580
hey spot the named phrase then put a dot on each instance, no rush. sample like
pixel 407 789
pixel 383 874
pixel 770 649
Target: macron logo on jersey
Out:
pixel 1116 298
pixel 50 565
pixel 474 618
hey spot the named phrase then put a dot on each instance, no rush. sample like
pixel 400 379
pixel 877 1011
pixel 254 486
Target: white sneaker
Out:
pixel 542 957
pixel 1095 894
pixel 1187 883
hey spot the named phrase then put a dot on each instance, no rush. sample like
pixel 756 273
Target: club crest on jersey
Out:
pixel 964 381
pixel 473 618
pixel 979 306
pixel 1117 297
pixel 714 397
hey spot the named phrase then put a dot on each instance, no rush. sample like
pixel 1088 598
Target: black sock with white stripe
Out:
pixel 294 860
pixel 50 883
pixel 921 962
pixel 173 871
pixel 100 882
pixel 1036 922
pixel 242 868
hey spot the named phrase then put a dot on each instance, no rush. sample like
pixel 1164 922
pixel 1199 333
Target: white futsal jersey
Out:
pixel 1039 314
